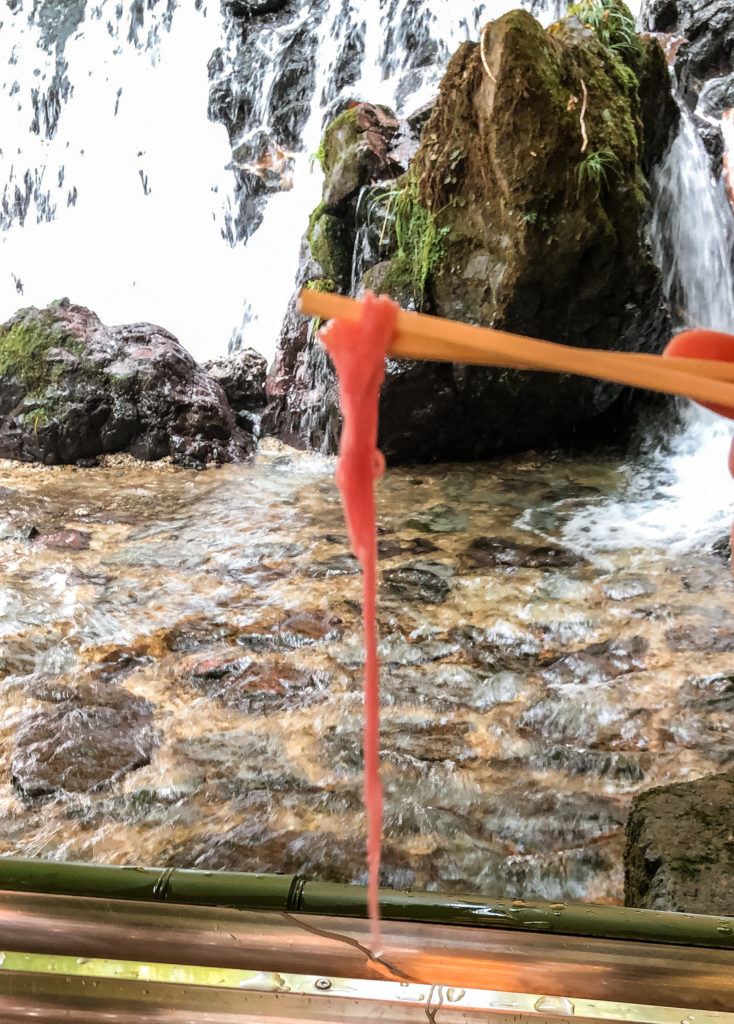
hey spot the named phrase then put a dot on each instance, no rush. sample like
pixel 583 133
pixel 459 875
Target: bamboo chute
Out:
pixel 89 943
pixel 419 336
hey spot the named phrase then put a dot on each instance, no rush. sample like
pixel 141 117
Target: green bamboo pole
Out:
pixel 589 919
pixel 296 895
pixel 157 885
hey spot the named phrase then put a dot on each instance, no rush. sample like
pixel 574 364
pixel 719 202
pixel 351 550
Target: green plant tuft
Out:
pixel 419 240
pixel 319 156
pixel 321 284
pixel 613 23
pixel 595 170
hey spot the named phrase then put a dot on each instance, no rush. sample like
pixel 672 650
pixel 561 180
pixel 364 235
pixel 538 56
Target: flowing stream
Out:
pixel 180 652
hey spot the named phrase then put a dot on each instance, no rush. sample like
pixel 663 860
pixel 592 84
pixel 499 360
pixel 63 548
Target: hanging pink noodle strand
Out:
pixel 358 350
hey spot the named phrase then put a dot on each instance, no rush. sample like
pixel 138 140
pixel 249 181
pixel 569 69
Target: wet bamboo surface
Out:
pixel 651 974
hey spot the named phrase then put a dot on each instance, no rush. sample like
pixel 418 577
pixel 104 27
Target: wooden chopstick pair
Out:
pixel 419 336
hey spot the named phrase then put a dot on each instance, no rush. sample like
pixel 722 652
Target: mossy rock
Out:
pixel 534 243
pixel 526 209
pixel 25 343
pixel 331 246
pixel 72 389
pixel 355 151
pixel 680 852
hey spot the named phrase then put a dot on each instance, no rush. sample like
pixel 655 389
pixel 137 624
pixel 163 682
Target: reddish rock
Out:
pixel 63 540
pixel 258 687
pixel 89 738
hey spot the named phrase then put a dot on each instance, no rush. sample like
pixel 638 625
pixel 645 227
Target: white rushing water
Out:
pixel 132 186
pixel 683 496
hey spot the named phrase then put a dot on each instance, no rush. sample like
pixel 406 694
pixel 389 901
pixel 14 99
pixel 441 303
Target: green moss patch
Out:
pixel 420 241
pixel 24 346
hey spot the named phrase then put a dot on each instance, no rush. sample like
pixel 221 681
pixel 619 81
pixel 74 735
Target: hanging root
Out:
pixel 485 63
pixel 582 118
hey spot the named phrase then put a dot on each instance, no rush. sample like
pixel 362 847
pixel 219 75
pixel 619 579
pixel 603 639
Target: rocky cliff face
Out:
pixel 243 95
pixel 524 208
pixel 699 39
pixel 72 389
pixel 705 37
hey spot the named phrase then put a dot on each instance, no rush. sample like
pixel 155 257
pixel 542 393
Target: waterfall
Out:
pixel 391 72
pixel 682 497
pixel 116 189
pixel 693 234
pixel 114 186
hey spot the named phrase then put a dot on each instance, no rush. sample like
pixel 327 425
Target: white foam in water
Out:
pixel 673 503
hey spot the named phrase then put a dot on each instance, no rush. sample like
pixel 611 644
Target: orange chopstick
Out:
pixel 419 336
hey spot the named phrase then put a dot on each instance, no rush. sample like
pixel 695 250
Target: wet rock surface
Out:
pixel 705 54
pixel 84 741
pixel 702 637
pixel 598 663
pixel 71 540
pixel 242 379
pixel 699 39
pixel 496 552
pixel 72 389
pixel 188 688
pixel 680 848
pixel 258 687
pixel 419 583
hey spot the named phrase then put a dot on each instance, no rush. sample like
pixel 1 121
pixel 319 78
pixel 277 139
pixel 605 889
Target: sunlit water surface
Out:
pixel 205 627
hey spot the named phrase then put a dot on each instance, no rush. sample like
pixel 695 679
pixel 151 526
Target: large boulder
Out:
pixel 364 147
pixel 680 848
pixel 81 740
pixel 525 208
pixel 242 377
pixel 72 389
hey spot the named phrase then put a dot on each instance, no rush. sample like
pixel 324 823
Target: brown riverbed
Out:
pixel 179 668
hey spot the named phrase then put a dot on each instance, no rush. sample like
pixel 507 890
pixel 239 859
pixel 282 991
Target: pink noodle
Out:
pixel 358 351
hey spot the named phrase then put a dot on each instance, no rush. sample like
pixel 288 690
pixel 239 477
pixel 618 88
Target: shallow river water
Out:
pixel 180 672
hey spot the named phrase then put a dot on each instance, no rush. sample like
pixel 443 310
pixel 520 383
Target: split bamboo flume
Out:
pixel 419 336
